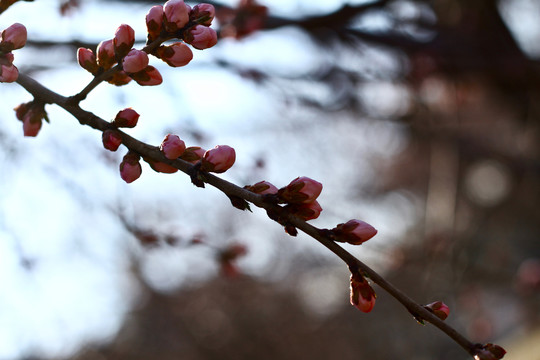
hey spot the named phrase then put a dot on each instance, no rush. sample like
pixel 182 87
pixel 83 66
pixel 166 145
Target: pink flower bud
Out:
pixel 135 61
pixel 148 76
pixel 219 159
pixel 8 74
pixel 202 37
pixel 31 114
pixel 203 14
pixel 119 78
pixel 31 126
pixel 307 211
pixel 126 118
pixel 362 294
pixel 87 60
pixel 172 146
pixel 112 139
pixel 262 187
pixel 13 38
pixel 105 54
pixel 440 309
pixel 123 40
pixel 175 55
pixel 130 168
pixel 154 21
pixel 301 190
pixel 177 15
pixel 193 154
pixel 354 232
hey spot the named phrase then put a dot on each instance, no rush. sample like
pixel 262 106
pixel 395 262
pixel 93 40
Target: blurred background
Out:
pixel 419 117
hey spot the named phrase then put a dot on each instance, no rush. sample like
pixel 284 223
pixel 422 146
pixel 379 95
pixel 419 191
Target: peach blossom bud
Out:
pixel 172 146
pixel 87 60
pixel 262 187
pixel 148 76
pixel 193 154
pixel 119 78
pixel 105 54
pixel 307 211
pixel 496 350
pixel 130 168
pixel 31 126
pixel 362 294
pixel 440 309
pixel 219 159
pixel 13 38
pixel 175 55
pixel 301 190
pixel 354 232
pixel 203 14
pixel 202 37
pixel 126 118
pixel 112 139
pixel 154 21
pixel 135 61
pixel 161 167
pixel 8 74
pixel 177 15
pixel 32 115
pixel 123 40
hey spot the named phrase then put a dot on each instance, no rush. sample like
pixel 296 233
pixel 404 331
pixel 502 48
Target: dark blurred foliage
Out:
pixel 472 158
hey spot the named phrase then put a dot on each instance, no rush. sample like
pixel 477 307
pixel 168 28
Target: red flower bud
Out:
pixel 8 73
pixel 175 55
pixel 130 168
pixel 176 15
pixel 301 190
pixel 126 118
pixel 147 77
pixel 201 37
pixel 87 60
pixel 172 146
pixel 112 139
pixel 154 21
pixel 362 294
pixel 105 54
pixel 219 159
pixel 262 187
pixel 354 232
pixel 31 127
pixel 135 61
pixel 13 38
pixel 307 211
pixel 31 114
pixel 203 14
pixel 440 309
pixel 123 40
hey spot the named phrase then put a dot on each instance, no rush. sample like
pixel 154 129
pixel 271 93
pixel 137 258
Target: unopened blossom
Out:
pixel 193 154
pixel 262 187
pixel 354 232
pixel 202 37
pixel 307 211
pixel 8 73
pixel 301 190
pixel 31 114
pixel 219 159
pixel 87 59
pixel 31 126
pixel 126 118
pixel 130 167
pixel 112 139
pixel 175 55
pixel 496 350
pixel 172 146
pixel 203 13
pixel 440 309
pixel 362 294
pixel 13 37
pixel 149 76
pixel 154 21
pixel 123 40
pixel 105 54
pixel 135 61
pixel 176 15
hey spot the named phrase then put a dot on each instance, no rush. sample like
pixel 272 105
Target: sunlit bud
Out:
pixel 130 168
pixel 219 159
pixel 301 190
pixel 193 154
pixel 87 60
pixel 496 350
pixel 105 54
pixel 201 37
pixel 440 309
pixel 262 187
pixel 135 61
pixel 307 211
pixel 175 55
pixel 354 232
pixel 362 294
pixel 148 76
pixel 172 146
pixel 112 139
pixel 119 78
pixel 161 167
pixel 176 15
pixel 123 40
pixel 13 38
pixel 126 118
pixel 203 14
pixel 154 21
pixel 8 73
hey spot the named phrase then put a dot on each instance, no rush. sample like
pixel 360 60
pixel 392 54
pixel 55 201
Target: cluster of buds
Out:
pixel 32 115
pixel 12 38
pixel 490 352
pixel 362 294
